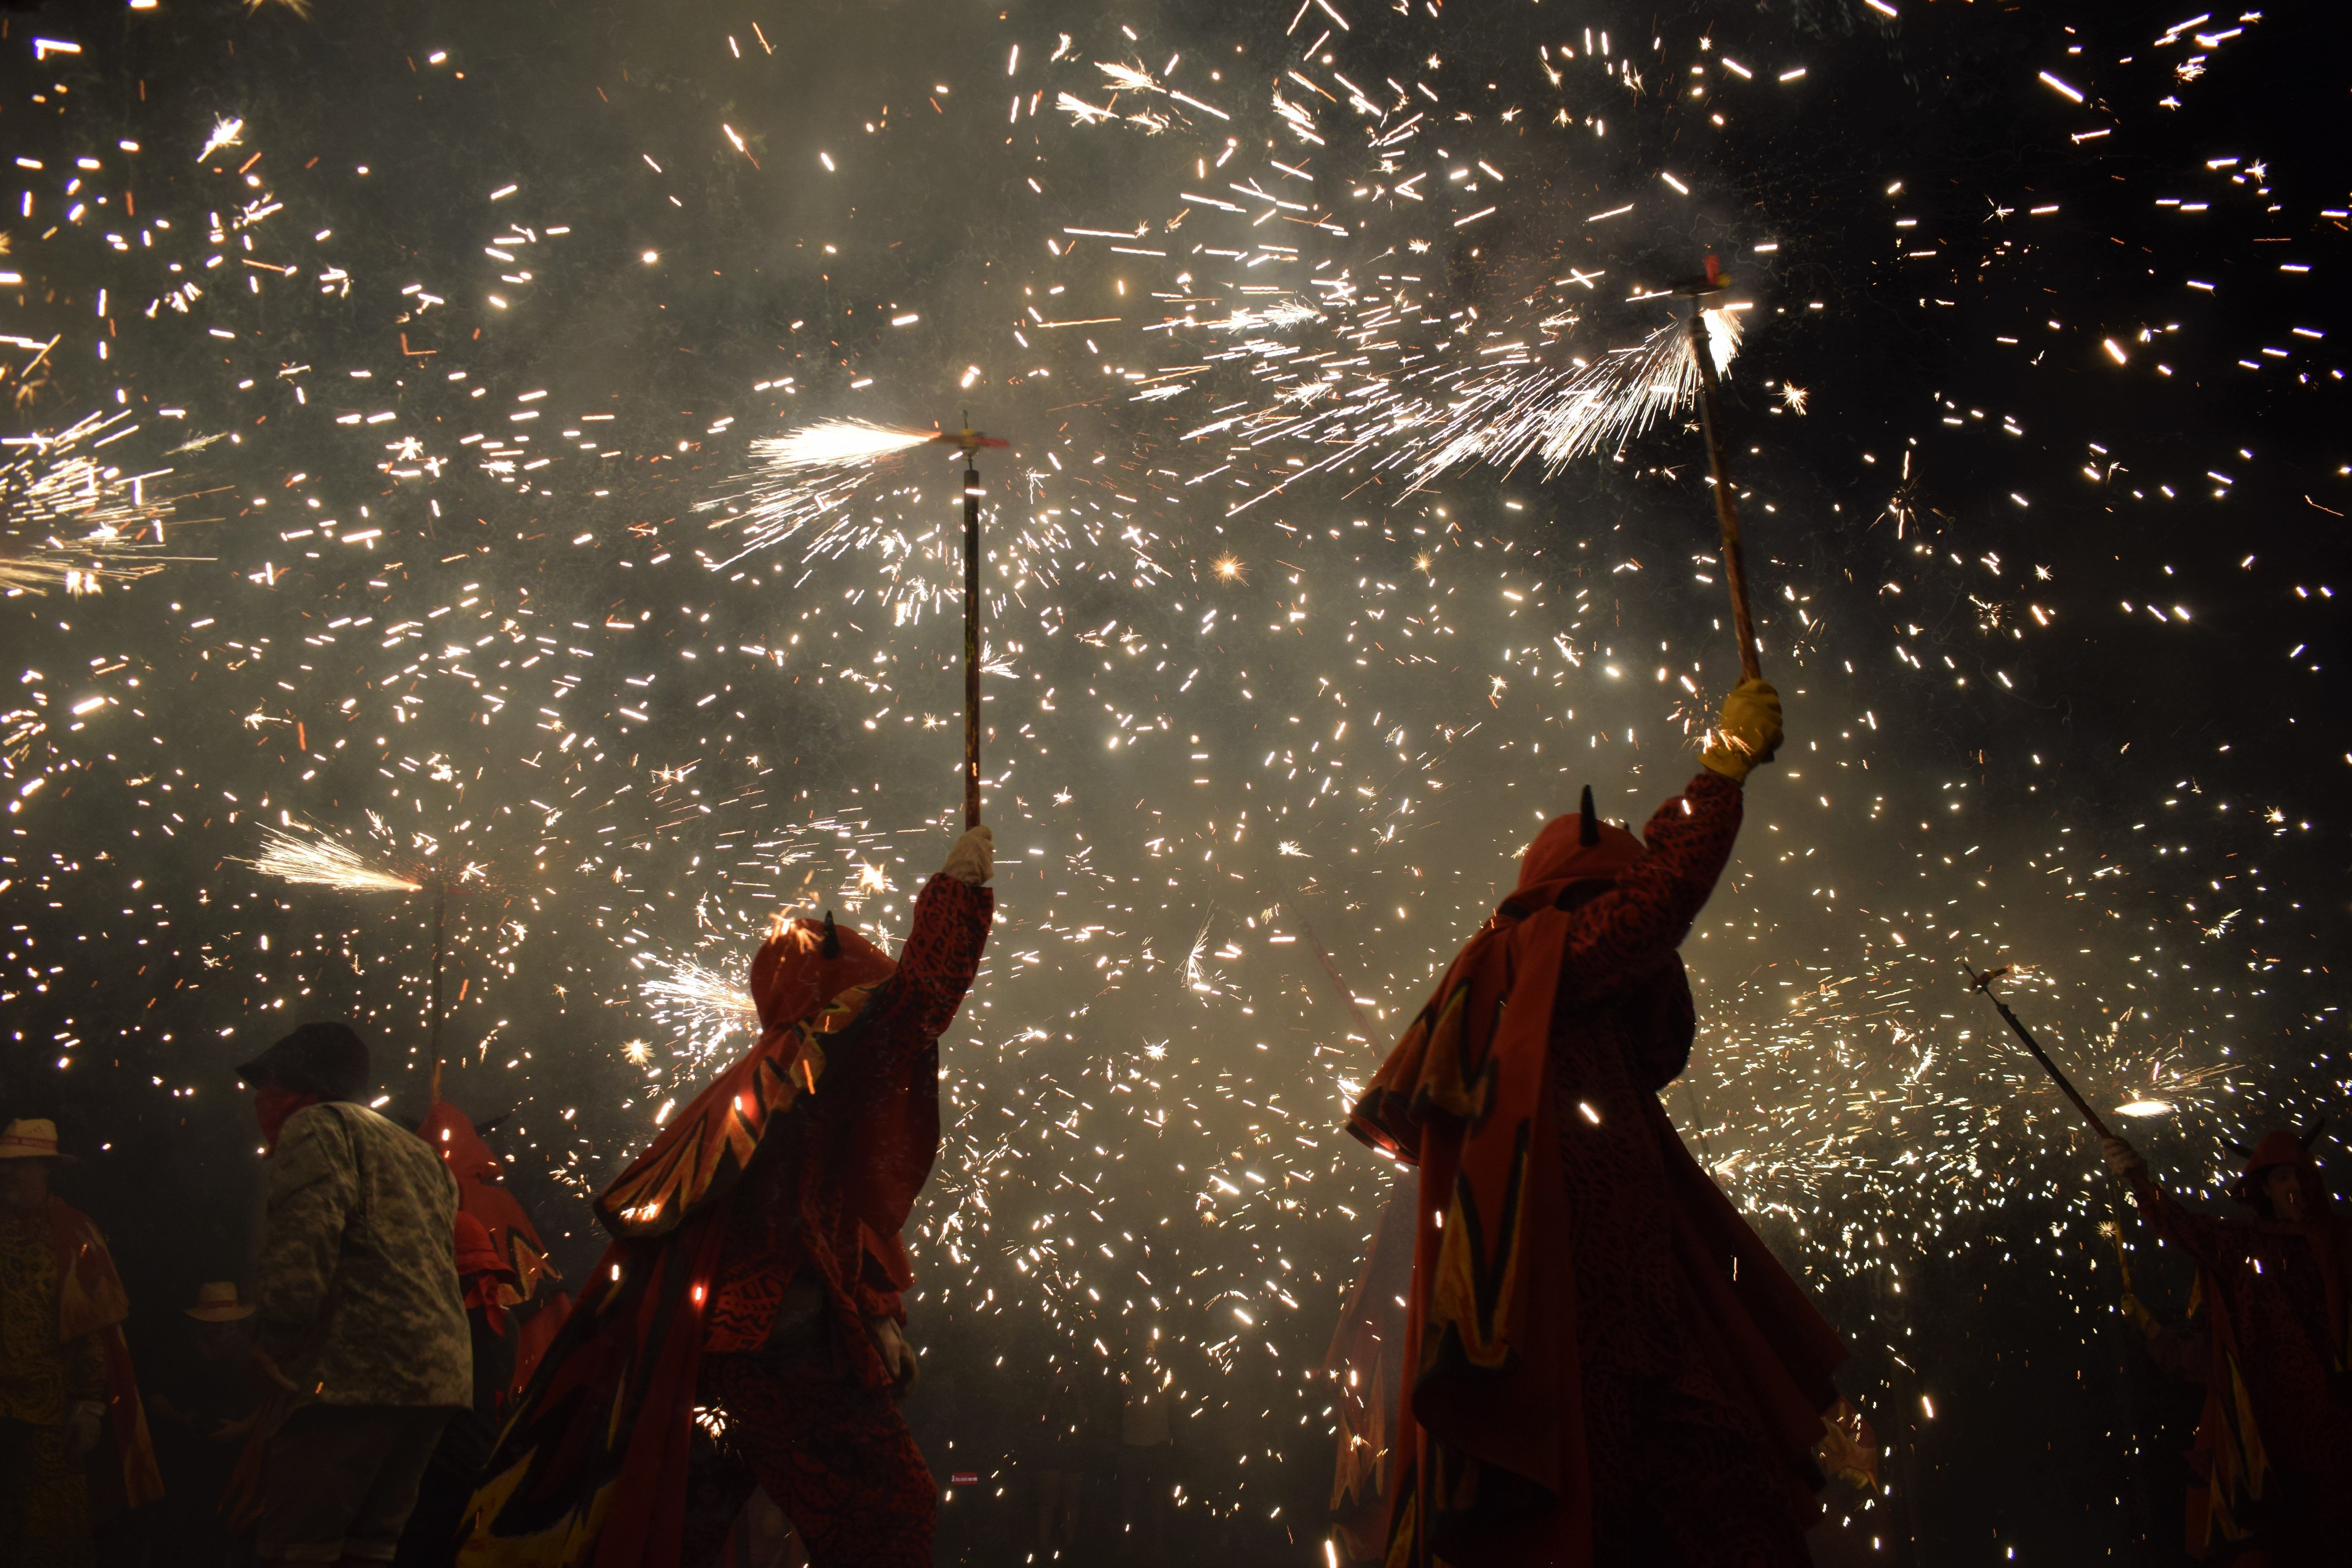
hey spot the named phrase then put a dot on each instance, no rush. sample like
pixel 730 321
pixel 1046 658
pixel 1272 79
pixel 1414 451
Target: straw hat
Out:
pixel 31 1138
pixel 218 1303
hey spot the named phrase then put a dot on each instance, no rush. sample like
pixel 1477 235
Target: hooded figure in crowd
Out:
pixel 2273 1464
pixel 744 1328
pixel 1601 1362
pixel 530 1289
pixel 66 1383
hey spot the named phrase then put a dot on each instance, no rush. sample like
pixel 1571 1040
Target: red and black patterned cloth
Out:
pixel 802 1159
pixel 834 1455
pixel 1597 1349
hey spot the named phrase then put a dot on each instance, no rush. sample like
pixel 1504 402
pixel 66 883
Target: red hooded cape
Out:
pixel 512 1238
pixel 593 1465
pixel 1490 1464
pixel 480 1194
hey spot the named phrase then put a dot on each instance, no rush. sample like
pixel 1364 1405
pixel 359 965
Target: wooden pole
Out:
pixel 433 1028
pixel 971 493
pixel 1735 563
pixel 1984 983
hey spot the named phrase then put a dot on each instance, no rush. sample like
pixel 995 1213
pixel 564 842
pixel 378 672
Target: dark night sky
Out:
pixel 2007 744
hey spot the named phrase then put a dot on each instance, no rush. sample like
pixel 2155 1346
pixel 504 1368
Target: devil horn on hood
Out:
pixel 2243 1153
pixel 1588 829
pixel 2308 1138
pixel 832 948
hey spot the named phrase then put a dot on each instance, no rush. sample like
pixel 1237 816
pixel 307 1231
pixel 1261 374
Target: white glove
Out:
pixel 972 861
pixel 2122 1158
pixel 82 1428
pixel 898 1356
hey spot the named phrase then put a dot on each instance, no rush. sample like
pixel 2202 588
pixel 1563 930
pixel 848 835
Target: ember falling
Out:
pixel 500 439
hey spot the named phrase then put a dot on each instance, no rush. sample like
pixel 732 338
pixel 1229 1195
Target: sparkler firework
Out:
pixel 560 530
pixel 318 860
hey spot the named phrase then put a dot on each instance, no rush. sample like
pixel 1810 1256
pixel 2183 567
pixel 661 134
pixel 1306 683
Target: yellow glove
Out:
pixel 1749 732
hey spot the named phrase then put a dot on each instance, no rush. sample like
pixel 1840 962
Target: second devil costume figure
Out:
pixel 753 1286
pixel 1601 1363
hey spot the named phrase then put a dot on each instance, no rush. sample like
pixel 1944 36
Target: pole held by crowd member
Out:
pixel 1984 982
pixel 1727 506
pixel 1571 1392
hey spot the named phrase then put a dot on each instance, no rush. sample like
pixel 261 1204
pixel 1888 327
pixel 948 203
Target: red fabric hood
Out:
pixel 451 1132
pixel 1559 855
pixel 792 978
pixel 476 1252
pixel 2281 1147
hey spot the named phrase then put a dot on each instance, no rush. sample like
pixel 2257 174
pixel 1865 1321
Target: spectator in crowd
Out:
pixel 203 1407
pixel 66 1383
pixel 362 1318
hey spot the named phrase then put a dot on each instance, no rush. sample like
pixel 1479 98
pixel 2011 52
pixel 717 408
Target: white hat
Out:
pixel 31 1138
pixel 219 1303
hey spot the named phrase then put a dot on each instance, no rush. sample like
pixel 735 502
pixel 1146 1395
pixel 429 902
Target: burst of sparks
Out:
pixel 310 855
pixel 832 444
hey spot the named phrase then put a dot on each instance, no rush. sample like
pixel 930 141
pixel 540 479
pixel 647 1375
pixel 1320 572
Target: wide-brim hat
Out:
pixel 218 1303
pixel 31 1138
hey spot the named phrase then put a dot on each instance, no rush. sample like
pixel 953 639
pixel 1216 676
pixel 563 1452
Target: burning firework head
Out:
pixel 309 855
pixel 1560 415
pixel 708 1011
pixel 807 476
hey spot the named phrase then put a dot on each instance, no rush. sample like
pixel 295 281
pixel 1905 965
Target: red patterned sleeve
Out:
pixel 941 957
pixel 1620 939
pixel 936 967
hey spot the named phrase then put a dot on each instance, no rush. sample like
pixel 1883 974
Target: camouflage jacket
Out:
pixel 358 1295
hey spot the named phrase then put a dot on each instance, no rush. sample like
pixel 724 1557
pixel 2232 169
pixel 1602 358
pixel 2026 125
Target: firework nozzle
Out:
pixel 1714 283
pixel 968 440
pixel 1984 982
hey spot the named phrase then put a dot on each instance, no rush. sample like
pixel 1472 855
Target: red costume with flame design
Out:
pixel 795 1168
pixel 1601 1362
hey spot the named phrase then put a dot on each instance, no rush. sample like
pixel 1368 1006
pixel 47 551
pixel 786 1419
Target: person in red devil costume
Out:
pixel 531 1291
pixel 2273 1455
pixel 1601 1362
pixel 744 1328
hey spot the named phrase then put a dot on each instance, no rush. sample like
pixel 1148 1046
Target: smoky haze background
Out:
pixel 1210 931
